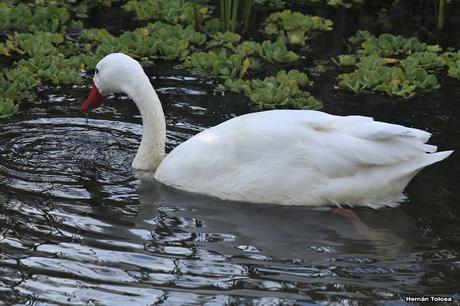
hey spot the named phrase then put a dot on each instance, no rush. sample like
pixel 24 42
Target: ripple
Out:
pixel 69 158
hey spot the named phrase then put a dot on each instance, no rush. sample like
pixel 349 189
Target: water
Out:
pixel 79 227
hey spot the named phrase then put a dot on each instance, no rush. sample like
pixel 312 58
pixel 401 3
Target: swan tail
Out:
pixel 410 168
pixel 435 157
pixel 414 167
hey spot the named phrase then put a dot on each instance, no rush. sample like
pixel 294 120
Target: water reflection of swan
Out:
pixel 172 242
pixel 282 232
pixel 282 157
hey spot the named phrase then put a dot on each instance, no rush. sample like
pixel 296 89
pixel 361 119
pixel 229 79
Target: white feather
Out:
pixel 296 157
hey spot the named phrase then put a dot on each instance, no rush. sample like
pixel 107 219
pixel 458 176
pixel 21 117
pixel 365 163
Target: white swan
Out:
pixel 290 157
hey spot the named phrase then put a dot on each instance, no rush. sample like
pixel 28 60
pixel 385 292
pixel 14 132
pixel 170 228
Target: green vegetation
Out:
pixel 46 45
pixel 452 61
pixel 22 17
pixel 388 45
pixel 8 108
pixel 345 60
pixel 155 41
pixel 13 91
pixel 229 14
pixel 37 44
pixel 217 65
pixel 394 65
pixel 283 3
pixel 57 59
pixel 171 11
pixel 293 27
pixel 227 58
pixel 271 3
pixel 284 89
pixel 45 54
pixel 374 74
pixel 344 3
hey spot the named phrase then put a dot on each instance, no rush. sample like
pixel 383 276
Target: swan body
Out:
pixel 290 157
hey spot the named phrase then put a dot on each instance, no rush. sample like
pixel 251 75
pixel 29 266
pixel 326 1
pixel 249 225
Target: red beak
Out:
pixel 93 101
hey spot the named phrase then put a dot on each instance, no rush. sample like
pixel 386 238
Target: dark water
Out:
pixel 78 227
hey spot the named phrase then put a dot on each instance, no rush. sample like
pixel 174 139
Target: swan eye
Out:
pixel 96 71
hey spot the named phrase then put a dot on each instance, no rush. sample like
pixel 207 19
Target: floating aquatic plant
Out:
pixel 374 74
pixel 278 53
pixel 227 59
pixel 389 45
pixel 452 60
pixel 285 90
pixel 11 92
pixel 283 3
pixel 394 65
pixel 55 69
pixel 37 44
pixel 335 3
pixel 57 59
pixel 221 40
pixel 345 60
pixel 426 60
pixel 273 52
pixel 271 3
pixel 171 11
pixel 157 40
pixel 49 18
pixel 294 28
pixel 7 108
pixel 217 64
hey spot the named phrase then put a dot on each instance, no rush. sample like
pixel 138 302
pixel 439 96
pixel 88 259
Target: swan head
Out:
pixel 115 73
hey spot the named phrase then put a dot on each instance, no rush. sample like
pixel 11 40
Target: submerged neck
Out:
pixel 152 148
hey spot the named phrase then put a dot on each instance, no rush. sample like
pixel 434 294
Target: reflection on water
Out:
pixel 174 246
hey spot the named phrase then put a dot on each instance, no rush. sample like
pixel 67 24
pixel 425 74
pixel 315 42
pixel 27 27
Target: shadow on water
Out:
pixel 78 227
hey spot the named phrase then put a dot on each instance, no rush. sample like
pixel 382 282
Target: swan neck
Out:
pixel 152 147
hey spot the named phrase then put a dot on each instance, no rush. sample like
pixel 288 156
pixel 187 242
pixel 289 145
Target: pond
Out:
pixel 79 227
